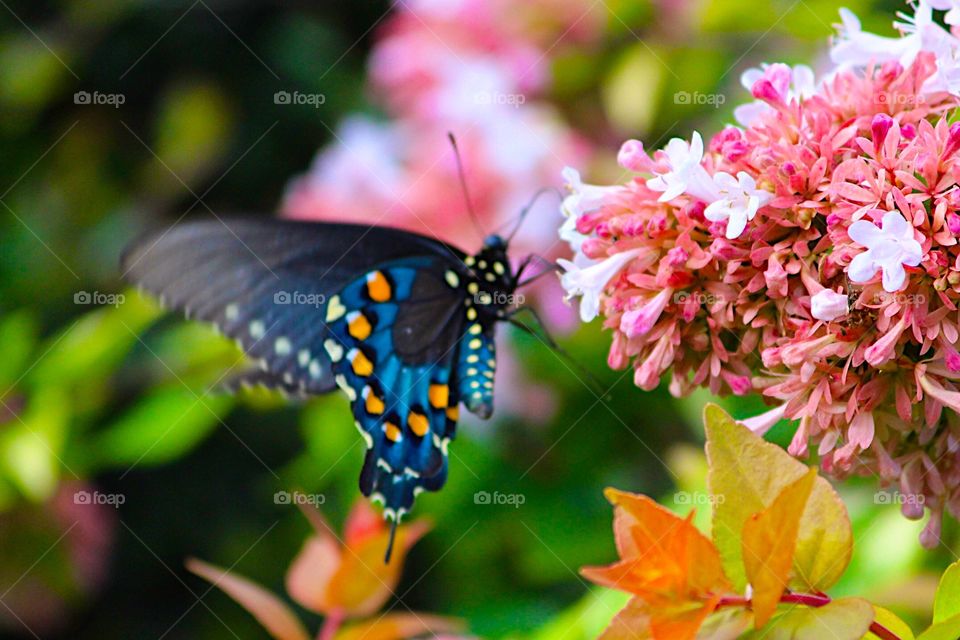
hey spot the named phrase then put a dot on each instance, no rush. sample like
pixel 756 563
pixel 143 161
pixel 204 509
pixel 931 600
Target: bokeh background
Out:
pixel 119 116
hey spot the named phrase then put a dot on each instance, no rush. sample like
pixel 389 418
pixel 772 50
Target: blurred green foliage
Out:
pixel 114 397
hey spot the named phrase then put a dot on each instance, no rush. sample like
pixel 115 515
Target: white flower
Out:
pixel 802 85
pixel 737 203
pixel 583 198
pixel 686 174
pixel 588 278
pixel 828 305
pixel 952 7
pixel 856 48
pixel 888 248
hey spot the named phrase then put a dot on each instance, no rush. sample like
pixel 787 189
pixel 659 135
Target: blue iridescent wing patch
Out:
pixel 399 341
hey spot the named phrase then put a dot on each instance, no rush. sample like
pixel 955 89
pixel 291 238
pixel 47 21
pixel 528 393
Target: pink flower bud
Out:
pixel 828 305
pixel 930 536
pixel 632 157
pixel 953 223
pixel 908 131
pixel 880 126
pixel 953 141
pixel 764 90
pixel 677 257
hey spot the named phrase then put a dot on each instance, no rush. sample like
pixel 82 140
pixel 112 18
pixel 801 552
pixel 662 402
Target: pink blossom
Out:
pixel 818 267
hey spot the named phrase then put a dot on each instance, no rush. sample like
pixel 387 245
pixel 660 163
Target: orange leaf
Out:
pixel 681 623
pixel 363 582
pixel 631 623
pixel 669 562
pixel 271 612
pixel 397 626
pixel 769 542
pixel 308 578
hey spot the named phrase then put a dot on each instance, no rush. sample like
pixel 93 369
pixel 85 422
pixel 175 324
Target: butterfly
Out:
pixel 402 323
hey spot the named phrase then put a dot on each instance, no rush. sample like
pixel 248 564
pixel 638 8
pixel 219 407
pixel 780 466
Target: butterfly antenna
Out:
pixel 393 535
pixel 463 186
pixel 526 209
pixel 544 335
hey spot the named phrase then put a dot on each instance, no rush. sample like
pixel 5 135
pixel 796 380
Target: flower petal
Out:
pixel 865 233
pixel 862 268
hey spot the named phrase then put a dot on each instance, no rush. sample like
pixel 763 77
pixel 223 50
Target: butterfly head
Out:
pixel 491 269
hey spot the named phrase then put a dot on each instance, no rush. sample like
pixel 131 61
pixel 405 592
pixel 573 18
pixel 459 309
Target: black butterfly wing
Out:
pixel 268 283
pixel 382 313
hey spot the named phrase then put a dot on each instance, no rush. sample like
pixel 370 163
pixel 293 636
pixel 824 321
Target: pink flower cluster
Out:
pixel 810 256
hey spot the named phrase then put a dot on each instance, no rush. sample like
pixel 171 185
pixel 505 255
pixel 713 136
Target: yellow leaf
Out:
pixel 948 629
pixel 726 624
pixel 746 475
pixel 844 619
pixel 946 603
pixel 891 622
pixel 769 541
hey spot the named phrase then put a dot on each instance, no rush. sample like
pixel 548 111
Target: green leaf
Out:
pixel 946 603
pixel 891 622
pixel 948 629
pixel 844 619
pixel 745 476
pixel 31 447
pixel 92 347
pixel 163 426
pixel 18 336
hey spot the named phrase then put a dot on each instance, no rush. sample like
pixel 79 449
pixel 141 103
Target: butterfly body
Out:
pixel 402 324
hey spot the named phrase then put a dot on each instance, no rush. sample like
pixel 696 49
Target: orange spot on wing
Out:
pixel 453 413
pixel 373 403
pixel 361 363
pixel 392 431
pixel 418 423
pixel 439 395
pixel 378 287
pixel 359 326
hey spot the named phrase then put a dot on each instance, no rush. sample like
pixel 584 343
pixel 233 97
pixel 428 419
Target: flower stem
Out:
pixel 810 600
pixel 331 625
